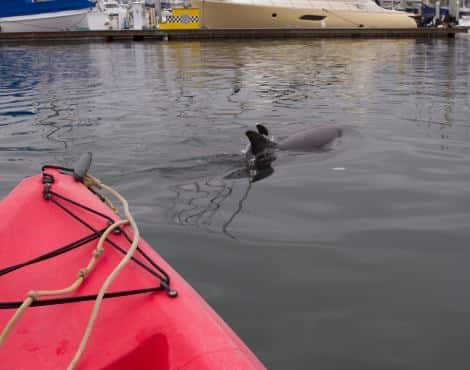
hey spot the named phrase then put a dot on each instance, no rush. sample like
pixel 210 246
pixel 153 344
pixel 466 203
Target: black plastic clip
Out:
pixel 170 292
pixel 47 180
pixel 117 230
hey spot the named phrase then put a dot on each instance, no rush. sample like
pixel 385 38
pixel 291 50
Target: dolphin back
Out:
pixel 315 138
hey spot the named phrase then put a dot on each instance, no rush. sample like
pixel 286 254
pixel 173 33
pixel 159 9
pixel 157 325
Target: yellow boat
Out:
pixel 222 14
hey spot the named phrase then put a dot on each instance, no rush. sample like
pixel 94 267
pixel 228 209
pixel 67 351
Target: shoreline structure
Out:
pixel 214 34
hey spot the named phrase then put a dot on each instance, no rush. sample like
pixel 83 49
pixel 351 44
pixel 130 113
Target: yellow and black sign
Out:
pixel 181 19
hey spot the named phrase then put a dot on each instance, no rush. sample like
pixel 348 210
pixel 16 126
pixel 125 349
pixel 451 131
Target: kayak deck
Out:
pixel 147 331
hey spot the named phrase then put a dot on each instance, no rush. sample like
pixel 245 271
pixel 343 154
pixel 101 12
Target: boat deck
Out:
pixel 199 34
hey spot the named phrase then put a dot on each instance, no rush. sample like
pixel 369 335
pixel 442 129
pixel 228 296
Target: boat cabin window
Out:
pixel 311 17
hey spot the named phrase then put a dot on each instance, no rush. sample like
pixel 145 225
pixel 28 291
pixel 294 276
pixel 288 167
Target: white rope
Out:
pixel 33 295
pixel 111 276
pixel 83 273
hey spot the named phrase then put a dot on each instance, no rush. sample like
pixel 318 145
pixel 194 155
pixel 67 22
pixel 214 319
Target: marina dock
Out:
pixel 212 34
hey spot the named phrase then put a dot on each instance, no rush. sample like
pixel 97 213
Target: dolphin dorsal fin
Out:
pixel 262 130
pixel 258 142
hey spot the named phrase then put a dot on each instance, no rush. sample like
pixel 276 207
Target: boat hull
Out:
pixel 149 331
pixel 46 22
pixel 218 15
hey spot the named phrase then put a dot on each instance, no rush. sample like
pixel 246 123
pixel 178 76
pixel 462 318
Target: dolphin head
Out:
pixel 262 130
pixel 261 149
pixel 258 142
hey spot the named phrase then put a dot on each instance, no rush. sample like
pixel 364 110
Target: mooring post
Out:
pixel 454 10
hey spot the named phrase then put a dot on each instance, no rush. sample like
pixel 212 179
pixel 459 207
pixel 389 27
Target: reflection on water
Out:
pixel 83 94
pixel 45 95
pixel 370 262
pixel 198 202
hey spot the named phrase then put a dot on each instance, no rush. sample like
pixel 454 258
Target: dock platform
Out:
pixel 208 34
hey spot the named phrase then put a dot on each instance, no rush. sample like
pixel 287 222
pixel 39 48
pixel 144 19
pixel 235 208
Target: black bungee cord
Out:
pixel 48 194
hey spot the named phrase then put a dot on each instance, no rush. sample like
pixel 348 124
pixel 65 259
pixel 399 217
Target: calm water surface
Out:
pixel 352 258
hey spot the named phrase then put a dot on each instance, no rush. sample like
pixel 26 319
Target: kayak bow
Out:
pixel 150 318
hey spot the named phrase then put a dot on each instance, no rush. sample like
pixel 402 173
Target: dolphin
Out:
pixel 303 141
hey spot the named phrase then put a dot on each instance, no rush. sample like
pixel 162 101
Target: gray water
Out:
pixel 354 257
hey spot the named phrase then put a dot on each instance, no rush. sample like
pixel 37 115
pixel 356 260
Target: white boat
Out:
pixel 114 15
pixel 464 20
pixel 43 16
pixel 464 13
pixel 108 15
pixel 221 14
pixel 61 21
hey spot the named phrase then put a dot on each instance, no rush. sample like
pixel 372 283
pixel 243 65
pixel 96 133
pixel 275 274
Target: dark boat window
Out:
pixel 311 17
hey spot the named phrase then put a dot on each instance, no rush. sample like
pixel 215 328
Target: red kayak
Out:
pixel 150 319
